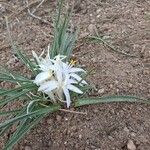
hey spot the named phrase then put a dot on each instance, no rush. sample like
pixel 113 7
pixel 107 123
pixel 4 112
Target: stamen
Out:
pixel 73 62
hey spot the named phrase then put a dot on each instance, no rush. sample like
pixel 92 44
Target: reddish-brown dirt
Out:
pixel 124 24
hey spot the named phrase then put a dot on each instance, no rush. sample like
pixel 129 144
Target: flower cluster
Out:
pixel 57 78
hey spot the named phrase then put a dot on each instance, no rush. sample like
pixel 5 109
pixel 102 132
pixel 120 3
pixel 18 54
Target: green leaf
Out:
pixel 24 58
pixel 23 129
pixel 110 46
pixel 31 114
pixel 15 96
pixel 11 76
pixel 108 99
pixel 23 110
pixel 64 39
pixel 5 113
pixel 11 92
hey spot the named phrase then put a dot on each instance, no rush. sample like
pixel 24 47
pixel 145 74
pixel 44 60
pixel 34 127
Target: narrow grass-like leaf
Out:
pixel 9 73
pixel 3 130
pixel 4 92
pixel 108 99
pixel 24 129
pixel 16 96
pixel 31 114
pixel 5 113
pixel 110 46
pixel 24 58
pixel 14 80
pixel 13 77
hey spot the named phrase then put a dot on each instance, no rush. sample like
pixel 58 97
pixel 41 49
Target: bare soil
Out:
pixel 124 24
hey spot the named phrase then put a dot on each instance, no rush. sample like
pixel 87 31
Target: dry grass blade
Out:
pixel 110 46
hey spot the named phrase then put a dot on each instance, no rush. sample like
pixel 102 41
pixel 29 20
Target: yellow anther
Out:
pixel 73 62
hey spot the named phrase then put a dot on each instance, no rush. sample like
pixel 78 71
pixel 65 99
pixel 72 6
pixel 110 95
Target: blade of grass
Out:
pixel 5 113
pixel 110 46
pixel 31 114
pixel 9 73
pixel 4 92
pixel 24 129
pixel 108 99
pixel 16 96
pixel 14 80
pixel 24 58
pixel 23 110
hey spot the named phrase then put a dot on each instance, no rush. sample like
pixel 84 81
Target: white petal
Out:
pixel 58 73
pixel 46 67
pixel 67 95
pixel 66 68
pixel 51 95
pixel 41 77
pixel 36 57
pixel 72 81
pixel 48 86
pixel 74 89
pixel 76 70
pixel 60 57
pixel 78 78
pixel 60 94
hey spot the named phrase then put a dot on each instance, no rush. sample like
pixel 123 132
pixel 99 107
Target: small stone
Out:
pixel 126 130
pixel 28 148
pixel 58 118
pixel 101 91
pixel 92 28
pixel 98 16
pixel 110 138
pixel 2 8
pixel 95 110
pixel 116 81
pixel 98 11
pixel 130 85
pixel 117 90
pixel 73 128
pixel 66 119
pixel 80 136
pixel 50 143
pixel 133 134
pixel 111 85
pixel 65 142
pixel 49 121
pixel 131 145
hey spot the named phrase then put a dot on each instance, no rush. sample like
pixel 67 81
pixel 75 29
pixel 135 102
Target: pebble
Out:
pixel 110 138
pixel 131 145
pixel 126 130
pixel 98 11
pixel 80 136
pixel 2 8
pixel 28 148
pixel 92 28
pixel 49 121
pixel 111 86
pixel 130 85
pixel 58 118
pixel 101 91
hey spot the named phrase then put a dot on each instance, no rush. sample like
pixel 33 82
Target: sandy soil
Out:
pixel 125 25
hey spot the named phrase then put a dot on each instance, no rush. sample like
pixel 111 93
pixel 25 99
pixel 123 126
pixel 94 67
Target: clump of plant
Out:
pixel 58 82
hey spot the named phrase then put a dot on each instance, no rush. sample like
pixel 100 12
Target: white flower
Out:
pixel 58 78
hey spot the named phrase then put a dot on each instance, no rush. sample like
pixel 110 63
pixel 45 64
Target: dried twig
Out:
pixel 75 112
pixel 38 6
pixel 19 10
pixel 32 13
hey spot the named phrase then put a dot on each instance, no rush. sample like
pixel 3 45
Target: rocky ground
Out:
pixel 124 24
